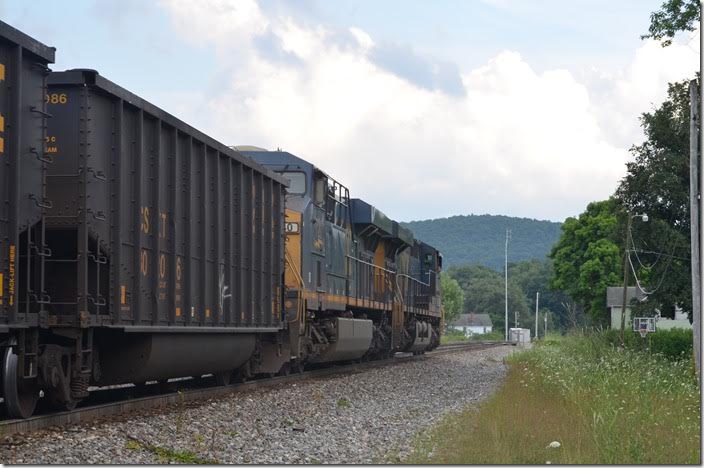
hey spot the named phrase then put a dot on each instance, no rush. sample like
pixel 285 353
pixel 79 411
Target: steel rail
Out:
pixel 120 408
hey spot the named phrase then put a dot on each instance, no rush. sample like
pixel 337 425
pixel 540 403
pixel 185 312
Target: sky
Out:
pixel 425 109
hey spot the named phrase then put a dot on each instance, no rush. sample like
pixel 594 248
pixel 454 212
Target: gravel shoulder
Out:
pixel 368 417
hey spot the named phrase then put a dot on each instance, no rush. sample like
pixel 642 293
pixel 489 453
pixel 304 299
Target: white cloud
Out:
pixel 517 142
pixel 617 99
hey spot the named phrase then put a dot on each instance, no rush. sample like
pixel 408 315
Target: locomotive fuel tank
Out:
pixel 350 339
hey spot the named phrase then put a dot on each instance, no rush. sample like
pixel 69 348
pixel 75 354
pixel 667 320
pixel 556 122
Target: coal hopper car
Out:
pixel 164 249
pixel 23 165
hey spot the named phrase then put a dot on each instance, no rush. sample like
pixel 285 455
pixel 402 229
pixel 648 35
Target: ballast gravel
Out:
pixel 367 417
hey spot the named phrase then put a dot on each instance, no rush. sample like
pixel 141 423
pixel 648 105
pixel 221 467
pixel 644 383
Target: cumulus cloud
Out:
pixel 432 75
pixel 417 137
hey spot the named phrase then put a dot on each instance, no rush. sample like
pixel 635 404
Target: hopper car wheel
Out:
pixel 21 395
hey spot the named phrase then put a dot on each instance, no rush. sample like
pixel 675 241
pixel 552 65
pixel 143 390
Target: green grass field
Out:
pixel 454 337
pixel 601 403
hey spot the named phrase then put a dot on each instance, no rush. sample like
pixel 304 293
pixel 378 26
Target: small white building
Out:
pixel 614 302
pixel 520 336
pixel 472 324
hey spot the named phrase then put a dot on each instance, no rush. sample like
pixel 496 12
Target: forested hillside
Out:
pixel 479 239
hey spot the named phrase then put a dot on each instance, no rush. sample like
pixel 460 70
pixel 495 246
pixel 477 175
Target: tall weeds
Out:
pixel 602 403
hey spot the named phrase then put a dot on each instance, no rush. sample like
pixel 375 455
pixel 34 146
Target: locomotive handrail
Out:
pixel 370 264
pixel 416 280
pixel 298 277
pixel 378 272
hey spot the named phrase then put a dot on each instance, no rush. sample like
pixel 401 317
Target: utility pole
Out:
pixel 694 208
pixel 626 268
pixel 625 277
pixel 508 236
pixel 545 330
pixel 537 298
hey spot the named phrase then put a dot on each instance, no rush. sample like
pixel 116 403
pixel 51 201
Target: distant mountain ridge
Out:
pixel 467 239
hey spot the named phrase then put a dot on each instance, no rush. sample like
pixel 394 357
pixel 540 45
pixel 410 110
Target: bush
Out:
pixel 673 344
pixel 491 336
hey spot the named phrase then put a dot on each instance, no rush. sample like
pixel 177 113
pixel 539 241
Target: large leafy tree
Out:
pixel 587 257
pixel 657 183
pixel 674 16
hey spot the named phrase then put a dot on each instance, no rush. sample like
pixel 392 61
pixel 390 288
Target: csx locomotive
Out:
pixel 135 248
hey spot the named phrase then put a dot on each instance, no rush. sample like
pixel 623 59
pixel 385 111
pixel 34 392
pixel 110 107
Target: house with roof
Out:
pixel 614 302
pixel 472 324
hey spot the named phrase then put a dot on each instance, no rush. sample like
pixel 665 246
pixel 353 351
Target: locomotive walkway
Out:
pixel 377 398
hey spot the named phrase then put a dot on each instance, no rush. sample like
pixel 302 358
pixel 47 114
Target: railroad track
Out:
pixel 129 405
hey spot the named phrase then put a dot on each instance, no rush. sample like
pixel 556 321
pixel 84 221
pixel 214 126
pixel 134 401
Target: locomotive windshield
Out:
pixel 297 182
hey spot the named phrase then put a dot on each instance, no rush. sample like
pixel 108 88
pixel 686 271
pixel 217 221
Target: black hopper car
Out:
pixel 135 248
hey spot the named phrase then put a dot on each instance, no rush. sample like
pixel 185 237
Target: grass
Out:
pixel 604 405
pixel 453 338
pixel 167 455
pixel 458 337
pixel 343 403
pixel 491 336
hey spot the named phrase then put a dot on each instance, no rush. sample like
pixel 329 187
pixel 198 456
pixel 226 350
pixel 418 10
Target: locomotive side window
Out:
pixel 297 182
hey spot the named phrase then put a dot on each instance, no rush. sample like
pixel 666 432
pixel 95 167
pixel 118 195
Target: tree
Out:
pixel 452 297
pixel 587 257
pixel 657 183
pixel 673 16
pixel 534 276
pixel 484 294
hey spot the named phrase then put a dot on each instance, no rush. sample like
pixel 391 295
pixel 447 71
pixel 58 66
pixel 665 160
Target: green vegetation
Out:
pixel 590 252
pixel 673 16
pixel 495 335
pixel 602 404
pixel 657 183
pixel 672 344
pixel 479 239
pixel 484 293
pixel 453 336
pixel 587 257
pixel 452 297
pixel 167 455
pixel 343 403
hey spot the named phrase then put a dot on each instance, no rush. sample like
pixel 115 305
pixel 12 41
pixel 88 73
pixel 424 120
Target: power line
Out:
pixel 633 243
pixel 658 253
pixel 662 277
